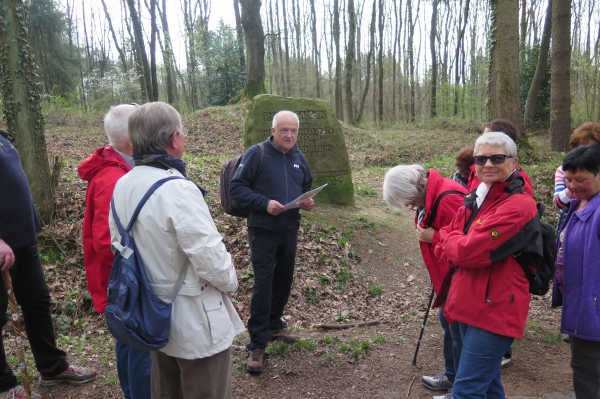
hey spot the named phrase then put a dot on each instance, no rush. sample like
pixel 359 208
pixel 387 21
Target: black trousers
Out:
pixel 31 292
pixel 585 362
pixel 273 257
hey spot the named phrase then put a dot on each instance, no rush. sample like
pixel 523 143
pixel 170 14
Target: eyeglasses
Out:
pixel 285 132
pixel 496 159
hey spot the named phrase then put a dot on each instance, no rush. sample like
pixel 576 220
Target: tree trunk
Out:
pixel 540 70
pixel 503 86
pixel 411 62
pixel 313 19
pixel 432 35
pixel 139 38
pixel 523 27
pixel 560 95
pixel 255 47
pixel 461 35
pixel 350 60
pixel 339 108
pixel 380 61
pixel 153 34
pixel 168 55
pixel 240 33
pixel 371 51
pixel 21 105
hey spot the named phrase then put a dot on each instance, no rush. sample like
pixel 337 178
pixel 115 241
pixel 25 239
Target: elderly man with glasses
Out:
pixel 272 228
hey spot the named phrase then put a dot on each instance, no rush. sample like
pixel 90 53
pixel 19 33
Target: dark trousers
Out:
pixel 31 292
pixel 273 256
pixel 205 378
pixel 585 362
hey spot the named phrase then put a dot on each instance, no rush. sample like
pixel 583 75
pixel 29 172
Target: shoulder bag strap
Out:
pixel 262 158
pixel 434 208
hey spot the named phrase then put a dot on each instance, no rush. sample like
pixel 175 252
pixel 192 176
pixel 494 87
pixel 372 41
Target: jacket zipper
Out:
pixel 287 189
pixel 578 310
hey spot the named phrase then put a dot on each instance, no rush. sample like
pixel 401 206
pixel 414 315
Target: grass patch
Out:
pixel 552 338
pixel 305 345
pixel 376 289
pixel 278 348
pixel 365 191
pixel 380 339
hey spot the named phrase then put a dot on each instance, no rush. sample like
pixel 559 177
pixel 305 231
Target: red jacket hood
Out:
pixel 100 159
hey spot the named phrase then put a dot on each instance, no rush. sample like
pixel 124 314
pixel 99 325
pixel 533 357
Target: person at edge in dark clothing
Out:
pixel 272 229
pixel 19 225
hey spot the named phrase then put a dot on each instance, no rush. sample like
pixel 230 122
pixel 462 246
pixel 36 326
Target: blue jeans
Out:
pixel 478 375
pixel 133 367
pixel 452 347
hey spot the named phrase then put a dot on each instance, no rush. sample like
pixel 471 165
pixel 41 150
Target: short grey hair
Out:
pixel 115 124
pixel 404 185
pixel 151 127
pixel 497 139
pixel 282 113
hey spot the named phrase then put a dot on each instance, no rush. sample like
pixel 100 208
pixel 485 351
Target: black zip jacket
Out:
pixel 282 177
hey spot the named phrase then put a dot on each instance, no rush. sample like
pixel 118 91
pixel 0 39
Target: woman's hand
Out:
pixel 7 257
pixel 425 235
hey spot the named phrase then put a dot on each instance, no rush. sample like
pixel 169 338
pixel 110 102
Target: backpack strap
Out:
pixel 434 208
pixel 180 279
pixel 151 190
pixel 262 159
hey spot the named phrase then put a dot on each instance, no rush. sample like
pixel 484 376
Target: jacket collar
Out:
pixel 293 149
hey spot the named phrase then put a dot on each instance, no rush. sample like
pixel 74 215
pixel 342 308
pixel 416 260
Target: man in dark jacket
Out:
pixel 102 170
pixel 19 254
pixel 272 228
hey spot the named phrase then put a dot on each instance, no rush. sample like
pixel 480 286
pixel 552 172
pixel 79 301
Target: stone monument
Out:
pixel 320 139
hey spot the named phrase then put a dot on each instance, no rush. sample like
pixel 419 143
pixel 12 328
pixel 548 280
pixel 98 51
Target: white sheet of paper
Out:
pixel 306 196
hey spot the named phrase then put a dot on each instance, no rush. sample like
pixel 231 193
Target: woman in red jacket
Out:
pixel 489 293
pixel 437 199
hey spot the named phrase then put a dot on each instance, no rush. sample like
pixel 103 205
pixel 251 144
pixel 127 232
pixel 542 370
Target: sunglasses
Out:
pixel 496 159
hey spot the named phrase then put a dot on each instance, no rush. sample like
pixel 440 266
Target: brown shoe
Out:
pixel 256 361
pixel 282 335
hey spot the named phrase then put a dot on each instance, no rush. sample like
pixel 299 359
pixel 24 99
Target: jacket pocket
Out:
pixel 218 317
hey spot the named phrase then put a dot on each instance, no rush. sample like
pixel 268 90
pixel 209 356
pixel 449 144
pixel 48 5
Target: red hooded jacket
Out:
pixel 101 170
pixel 489 289
pixel 446 210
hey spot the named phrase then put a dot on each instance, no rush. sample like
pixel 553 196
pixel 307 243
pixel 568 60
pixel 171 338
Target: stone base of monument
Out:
pixel 320 139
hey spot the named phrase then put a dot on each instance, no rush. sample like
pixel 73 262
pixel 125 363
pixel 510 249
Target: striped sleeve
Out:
pixel 560 196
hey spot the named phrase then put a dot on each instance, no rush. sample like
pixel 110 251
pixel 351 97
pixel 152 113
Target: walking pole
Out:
pixel 18 333
pixel 414 361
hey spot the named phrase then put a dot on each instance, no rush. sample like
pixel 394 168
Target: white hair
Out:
pixel 403 185
pixel 115 124
pixel 497 139
pixel 282 113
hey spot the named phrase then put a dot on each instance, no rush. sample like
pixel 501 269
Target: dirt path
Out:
pixel 389 251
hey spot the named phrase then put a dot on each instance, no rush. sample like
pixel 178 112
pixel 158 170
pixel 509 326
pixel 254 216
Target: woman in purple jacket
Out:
pixel 579 253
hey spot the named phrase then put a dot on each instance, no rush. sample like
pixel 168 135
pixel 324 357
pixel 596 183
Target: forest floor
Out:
pixel 354 265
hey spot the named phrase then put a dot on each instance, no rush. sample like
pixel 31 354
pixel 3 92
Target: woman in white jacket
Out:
pixel 174 227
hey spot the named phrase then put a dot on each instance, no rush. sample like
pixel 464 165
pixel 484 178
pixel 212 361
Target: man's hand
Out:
pixel 275 208
pixel 425 235
pixel 307 205
pixel 7 257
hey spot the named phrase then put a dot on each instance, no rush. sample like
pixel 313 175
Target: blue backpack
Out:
pixel 133 316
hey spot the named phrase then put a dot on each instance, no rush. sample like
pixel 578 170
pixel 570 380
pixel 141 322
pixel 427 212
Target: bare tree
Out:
pixel 114 36
pixel 339 108
pixel 560 96
pixel 316 55
pixel 380 61
pixel 139 38
pixel 350 60
pixel 540 70
pixel 369 55
pixel 503 85
pixel 255 46
pixel 432 35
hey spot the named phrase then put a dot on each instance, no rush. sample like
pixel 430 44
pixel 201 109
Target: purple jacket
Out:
pixel 581 267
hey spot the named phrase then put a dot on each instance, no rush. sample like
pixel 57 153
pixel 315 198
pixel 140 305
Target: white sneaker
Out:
pixel 18 392
pixel 505 361
pixel 448 395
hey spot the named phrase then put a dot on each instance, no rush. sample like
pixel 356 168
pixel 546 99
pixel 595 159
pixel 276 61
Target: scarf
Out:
pixel 160 159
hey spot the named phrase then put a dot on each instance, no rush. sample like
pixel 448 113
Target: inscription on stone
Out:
pixel 320 138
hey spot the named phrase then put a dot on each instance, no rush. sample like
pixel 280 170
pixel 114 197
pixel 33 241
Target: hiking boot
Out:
pixel 448 395
pixel 256 361
pixel 436 383
pixel 505 361
pixel 18 392
pixel 282 335
pixel 72 375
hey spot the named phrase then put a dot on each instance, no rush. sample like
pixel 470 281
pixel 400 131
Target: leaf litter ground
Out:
pixel 353 265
